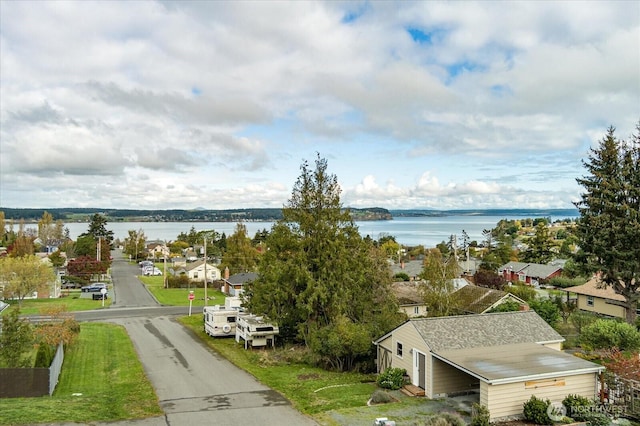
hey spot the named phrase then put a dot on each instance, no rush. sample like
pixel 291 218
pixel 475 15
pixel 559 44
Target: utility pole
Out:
pixel 164 274
pixel 205 270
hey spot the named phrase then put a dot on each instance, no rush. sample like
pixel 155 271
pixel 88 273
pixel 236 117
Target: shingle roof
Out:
pixel 407 293
pixel 242 277
pixel 535 270
pixel 478 299
pixel 591 288
pixel 471 331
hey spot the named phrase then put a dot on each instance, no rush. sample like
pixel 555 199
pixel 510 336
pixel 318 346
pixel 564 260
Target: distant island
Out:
pixel 260 214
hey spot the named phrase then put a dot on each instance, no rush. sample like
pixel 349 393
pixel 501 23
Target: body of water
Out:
pixel 409 231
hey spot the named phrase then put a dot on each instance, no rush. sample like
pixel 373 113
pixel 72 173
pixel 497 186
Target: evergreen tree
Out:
pixel 98 229
pixel 319 279
pixel 16 340
pixel 609 226
pixel 240 255
pixel 540 246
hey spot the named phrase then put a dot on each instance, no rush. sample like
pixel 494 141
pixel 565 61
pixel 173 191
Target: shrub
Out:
pixel 480 415
pixel 547 309
pixel 381 397
pixel 524 292
pixel 401 276
pixel 608 333
pixel 564 282
pixel 44 356
pixel 391 378
pixel 179 281
pixel 535 410
pixel 597 419
pixel 581 320
pixel 577 406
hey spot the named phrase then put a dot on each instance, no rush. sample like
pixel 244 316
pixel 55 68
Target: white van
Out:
pixel 220 321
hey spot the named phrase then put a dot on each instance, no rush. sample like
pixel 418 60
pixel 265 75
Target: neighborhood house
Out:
pixel 593 296
pixel 504 358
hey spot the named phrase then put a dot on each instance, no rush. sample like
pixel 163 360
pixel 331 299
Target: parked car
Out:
pixel 93 288
pixel 98 296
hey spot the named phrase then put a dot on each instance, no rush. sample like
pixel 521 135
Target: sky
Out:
pixel 216 105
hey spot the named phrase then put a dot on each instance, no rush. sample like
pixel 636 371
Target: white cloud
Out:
pixel 190 104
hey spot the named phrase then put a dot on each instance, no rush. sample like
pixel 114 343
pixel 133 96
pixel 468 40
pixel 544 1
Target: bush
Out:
pixel 564 282
pixel 391 378
pixel 479 415
pixel 547 309
pixel 597 419
pixel 180 281
pixel 524 292
pixel 581 320
pixel 401 276
pixel 608 333
pixel 535 410
pixel 44 356
pixel 577 406
pixel 381 397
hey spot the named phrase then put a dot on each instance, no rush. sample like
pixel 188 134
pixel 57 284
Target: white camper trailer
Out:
pixel 220 321
pixel 255 331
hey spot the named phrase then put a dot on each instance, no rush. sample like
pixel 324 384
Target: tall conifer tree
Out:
pixel 609 224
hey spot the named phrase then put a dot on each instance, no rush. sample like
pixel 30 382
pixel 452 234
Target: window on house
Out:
pixel 195 275
pixel 416 310
pixel 590 300
pixel 399 349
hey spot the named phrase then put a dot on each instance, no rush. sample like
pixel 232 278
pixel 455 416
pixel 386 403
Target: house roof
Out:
pixel 485 330
pixel 516 362
pixel 197 264
pixel 593 288
pixel 531 269
pixel 478 300
pixel 242 278
pixel 412 268
pixel 407 293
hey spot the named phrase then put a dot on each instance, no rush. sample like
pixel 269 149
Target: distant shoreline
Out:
pixel 81 215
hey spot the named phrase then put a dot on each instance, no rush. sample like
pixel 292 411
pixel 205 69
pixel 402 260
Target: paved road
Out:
pixel 128 290
pixel 195 386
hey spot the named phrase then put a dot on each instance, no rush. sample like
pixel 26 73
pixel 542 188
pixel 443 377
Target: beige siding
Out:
pixel 557 346
pixel 447 379
pixel 410 311
pixel 410 339
pixel 600 306
pixel 507 400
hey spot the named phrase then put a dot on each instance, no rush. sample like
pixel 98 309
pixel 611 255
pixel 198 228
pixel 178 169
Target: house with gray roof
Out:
pixel 529 273
pixel 503 358
pixel 234 285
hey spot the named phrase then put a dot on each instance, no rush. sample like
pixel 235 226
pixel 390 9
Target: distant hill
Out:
pixel 524 213
pixel 197 215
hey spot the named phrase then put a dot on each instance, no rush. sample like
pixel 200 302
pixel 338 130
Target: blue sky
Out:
pixel 177 104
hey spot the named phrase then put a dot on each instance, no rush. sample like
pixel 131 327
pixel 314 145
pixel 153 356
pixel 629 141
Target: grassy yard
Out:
pixel 101 380
pixel 311 390
pixel 180 296
pixel 71 301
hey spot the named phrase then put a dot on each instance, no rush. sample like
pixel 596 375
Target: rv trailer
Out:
pixel 255 331
pixel 220 321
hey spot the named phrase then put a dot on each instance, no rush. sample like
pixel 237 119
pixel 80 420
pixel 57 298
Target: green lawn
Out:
pixel 310 389
pixel 180 296
pixel 71 301
pixel 101 380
